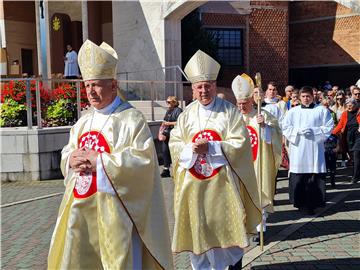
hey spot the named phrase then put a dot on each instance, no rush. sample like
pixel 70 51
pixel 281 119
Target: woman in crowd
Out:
pixel 170 119
pixel 349 123
pixel 338 108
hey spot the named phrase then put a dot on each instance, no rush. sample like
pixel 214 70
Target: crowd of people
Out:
pixel 113 213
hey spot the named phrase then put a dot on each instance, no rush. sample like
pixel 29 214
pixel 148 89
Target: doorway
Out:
pixel 27 61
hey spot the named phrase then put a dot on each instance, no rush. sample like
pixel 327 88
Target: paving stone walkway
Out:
pixel 293 241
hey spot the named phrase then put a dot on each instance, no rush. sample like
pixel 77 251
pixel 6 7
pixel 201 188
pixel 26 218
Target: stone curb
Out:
pixel 32 199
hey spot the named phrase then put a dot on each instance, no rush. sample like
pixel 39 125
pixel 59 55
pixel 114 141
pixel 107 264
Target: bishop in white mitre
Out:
pixel 265 137
pixel 112 215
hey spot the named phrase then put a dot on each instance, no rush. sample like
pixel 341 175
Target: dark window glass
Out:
pixel 230 46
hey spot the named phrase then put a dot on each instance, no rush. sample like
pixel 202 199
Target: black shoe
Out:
pixel 165 173
pixel 354 181
pixel 332 181
pixel 311 212
pixel 237 266
pixel 256 239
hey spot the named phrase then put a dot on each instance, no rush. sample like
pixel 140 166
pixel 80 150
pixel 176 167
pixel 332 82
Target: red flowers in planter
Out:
pixel 16 90
pixel 50 93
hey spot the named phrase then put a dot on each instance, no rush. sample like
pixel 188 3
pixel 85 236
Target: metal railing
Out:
pixel 137 90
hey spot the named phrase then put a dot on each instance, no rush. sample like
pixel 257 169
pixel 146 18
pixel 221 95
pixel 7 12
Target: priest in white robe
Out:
pixel 71 70
pixel 216 199
pixel 264 130
pixel 272 104
pixel 307 127
pixel 112 215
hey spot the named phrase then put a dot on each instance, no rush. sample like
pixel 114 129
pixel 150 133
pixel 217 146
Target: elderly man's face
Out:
pixel 244 105
pixel 205 91
pixel 100 93
pixel 288 91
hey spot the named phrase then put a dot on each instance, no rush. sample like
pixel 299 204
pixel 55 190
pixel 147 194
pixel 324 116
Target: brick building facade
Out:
pixel 305 42
pixel 324 41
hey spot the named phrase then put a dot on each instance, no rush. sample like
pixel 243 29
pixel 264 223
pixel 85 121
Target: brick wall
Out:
pixel 268 43
pixel 218 19
pixel 302 10
pixel 326 41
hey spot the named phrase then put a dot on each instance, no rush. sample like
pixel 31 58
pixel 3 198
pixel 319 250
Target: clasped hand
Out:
pixel 83 159
pixel 260 119
pixel 201 146
pixel 307 132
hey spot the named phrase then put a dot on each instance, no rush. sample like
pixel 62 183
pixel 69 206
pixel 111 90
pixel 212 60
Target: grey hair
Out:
pixel 352 101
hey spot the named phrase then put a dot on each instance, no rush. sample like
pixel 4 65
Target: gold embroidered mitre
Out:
pixel 201 67
pixel 242 86
pixel 97 62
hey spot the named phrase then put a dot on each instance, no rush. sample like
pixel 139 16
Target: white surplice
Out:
pixel 276 108
pixel 71 64
pixel 306 130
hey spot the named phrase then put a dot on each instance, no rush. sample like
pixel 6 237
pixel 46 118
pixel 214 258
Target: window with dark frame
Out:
pixel 230 46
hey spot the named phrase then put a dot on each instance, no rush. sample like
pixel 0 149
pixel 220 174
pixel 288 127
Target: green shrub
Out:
pixel 60 113
pixel 12 114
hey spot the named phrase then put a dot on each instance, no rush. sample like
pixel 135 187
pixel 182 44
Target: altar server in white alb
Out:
pixel 112 215
pixel 306 127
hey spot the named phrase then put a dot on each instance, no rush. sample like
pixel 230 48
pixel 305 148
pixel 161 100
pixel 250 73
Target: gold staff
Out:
pixel 258 101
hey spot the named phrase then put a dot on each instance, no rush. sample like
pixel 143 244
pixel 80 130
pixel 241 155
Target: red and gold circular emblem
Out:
pixel 85 185
pixel 202 169
pixel 254 141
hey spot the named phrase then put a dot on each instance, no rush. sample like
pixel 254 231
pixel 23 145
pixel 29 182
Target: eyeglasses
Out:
pixel 356 94
pixel 168 101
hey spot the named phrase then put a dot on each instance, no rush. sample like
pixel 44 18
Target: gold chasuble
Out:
pixel 270 152
pixel 94 229
pixel 214 207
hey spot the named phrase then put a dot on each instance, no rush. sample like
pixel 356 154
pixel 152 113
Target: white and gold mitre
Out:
pixel 201 67
pixel 97 62
pixel 242 86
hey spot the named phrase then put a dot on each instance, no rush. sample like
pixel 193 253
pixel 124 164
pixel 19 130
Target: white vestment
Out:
pixel 276 108
pixel 71 64
pixel 103 184
pixel 306 130
pixel 217 258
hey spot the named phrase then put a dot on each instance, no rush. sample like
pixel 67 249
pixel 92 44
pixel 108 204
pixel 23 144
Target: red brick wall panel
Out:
pixel 218 19
pixel 325 42
pixel 302 10
pixel 268 41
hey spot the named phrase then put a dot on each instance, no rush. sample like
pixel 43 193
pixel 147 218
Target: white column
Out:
pixel 2 26
pixel 85 22
pixel 38 39
pixel 47 37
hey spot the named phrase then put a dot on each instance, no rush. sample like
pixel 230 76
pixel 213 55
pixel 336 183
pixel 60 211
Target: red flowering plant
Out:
pixel 62 109
pixel 63 97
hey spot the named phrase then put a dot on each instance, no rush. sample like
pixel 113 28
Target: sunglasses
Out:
pixel 168 101
pixel 356 94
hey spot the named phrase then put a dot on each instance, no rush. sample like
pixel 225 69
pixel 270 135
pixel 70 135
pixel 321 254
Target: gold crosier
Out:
pixel 258 101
